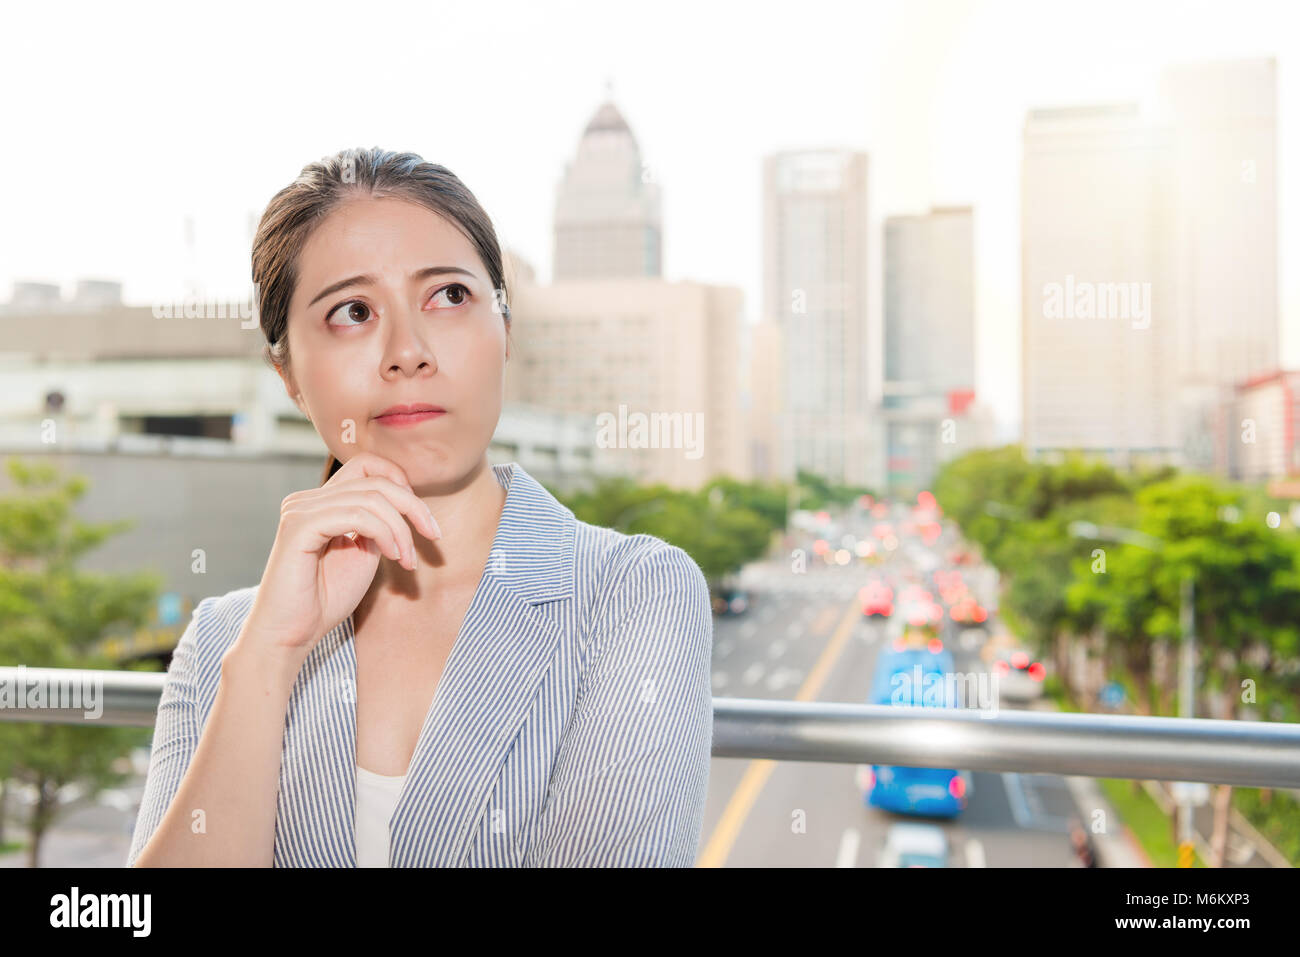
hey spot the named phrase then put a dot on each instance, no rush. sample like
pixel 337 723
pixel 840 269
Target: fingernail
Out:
pixel 437 532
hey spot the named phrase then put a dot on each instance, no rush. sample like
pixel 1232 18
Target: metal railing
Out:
pixel 1244 753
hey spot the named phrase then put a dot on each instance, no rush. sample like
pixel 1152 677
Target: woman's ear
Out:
pixel 291 389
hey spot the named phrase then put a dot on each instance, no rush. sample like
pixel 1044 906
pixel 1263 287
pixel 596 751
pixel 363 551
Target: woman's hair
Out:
pixel 295 211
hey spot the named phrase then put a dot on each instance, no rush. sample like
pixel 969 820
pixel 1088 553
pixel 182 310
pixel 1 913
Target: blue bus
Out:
pixel 901 678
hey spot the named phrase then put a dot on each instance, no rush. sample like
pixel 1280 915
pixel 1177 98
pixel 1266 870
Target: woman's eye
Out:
pixel 355 310
pixel 457 293
pixel 357 313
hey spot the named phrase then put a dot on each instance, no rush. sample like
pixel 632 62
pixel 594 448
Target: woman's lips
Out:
pixel 407 418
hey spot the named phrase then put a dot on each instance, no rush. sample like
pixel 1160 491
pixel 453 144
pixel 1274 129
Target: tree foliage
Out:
pixel 54 617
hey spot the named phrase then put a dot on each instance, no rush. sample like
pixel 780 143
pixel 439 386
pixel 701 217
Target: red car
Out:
pixel 967 611
pixel 876 598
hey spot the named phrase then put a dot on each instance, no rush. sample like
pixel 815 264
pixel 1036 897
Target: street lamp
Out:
pixel 1186 624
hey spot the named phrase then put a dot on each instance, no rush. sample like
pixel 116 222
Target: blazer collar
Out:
pixel 503 649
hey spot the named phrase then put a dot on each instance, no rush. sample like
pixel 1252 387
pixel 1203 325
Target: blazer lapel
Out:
pixel 503 649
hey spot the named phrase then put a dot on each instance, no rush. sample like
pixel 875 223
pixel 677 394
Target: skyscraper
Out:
pixel 1221 118
pixel 608 207
pixel 1097 296
pixel 930 302
pixel 655 362
pixel 1150 265
pixel 929 348
pixel 814 288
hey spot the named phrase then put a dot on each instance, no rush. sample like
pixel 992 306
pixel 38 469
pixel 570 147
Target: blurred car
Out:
pixel 914 845
pixel 1019 677
pixel 912 632
pixel 730 601
pixel 877 599
pixel 972 638
pixel 967 611
pixel 869 553
pixel 946 578
pixel 916 606
pixel 998 641
pixel 925 560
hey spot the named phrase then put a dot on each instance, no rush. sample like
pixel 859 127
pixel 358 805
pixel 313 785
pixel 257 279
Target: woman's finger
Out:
pixel 317 524
pixel 402 498
pixel 377 502
pixel 368 463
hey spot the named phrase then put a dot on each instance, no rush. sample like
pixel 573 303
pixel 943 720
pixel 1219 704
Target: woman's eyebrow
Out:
pixel 368 280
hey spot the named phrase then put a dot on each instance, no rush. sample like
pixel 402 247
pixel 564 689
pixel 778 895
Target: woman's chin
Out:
pixel 430 469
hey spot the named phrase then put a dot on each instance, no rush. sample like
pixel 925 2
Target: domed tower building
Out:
pixel 608 209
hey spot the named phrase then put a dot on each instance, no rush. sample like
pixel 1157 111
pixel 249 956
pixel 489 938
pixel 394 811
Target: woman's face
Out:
pixel 372 326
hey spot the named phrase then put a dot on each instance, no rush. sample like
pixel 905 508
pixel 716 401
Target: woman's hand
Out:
pixel 327 550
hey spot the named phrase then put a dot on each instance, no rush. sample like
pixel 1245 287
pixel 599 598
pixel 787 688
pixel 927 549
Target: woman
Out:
pixel 440 665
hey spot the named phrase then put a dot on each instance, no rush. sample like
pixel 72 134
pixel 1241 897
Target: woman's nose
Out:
pixel 407 346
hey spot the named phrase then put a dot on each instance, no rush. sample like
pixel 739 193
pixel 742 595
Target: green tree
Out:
pixel 54 617
pixel 770 501
pixel 816 493
pixel 721 526
pixel 1246 600
pixel 1246 574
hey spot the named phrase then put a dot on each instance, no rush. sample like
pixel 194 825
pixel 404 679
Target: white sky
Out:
pixel 121 119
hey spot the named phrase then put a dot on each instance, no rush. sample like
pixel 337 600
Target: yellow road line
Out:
pixel 823 622
pixel 751 783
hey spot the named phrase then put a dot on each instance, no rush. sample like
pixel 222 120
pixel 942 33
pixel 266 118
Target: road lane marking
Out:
pixel 1016 795
pixel 727 830
pixel 848 854
pixel 817 677
pixel 823 622
pixel 1027 806
pixel 975 854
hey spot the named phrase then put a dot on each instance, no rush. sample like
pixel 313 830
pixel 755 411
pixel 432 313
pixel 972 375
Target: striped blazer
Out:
pixel 572 725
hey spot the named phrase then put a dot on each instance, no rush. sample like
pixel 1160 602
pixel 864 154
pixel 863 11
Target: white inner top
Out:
pixel 376 798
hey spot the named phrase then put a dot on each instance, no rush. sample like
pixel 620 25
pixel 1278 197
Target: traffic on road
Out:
pixel 882 604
